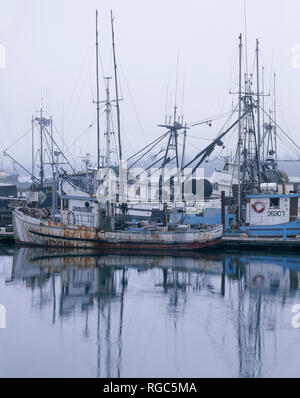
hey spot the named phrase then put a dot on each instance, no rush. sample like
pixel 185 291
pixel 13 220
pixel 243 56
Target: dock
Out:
pixel 258 243
pixel 6 236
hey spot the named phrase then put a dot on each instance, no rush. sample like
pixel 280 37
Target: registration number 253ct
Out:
pixel 276 213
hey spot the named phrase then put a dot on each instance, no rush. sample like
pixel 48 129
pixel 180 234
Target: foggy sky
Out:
pixel 50 54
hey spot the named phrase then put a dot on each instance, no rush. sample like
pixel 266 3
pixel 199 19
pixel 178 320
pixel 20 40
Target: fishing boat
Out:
pixel 31 228
pixel 80 218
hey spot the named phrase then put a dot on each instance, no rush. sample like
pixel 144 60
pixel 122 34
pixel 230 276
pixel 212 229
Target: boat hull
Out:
pixel 285 230
pixel 33 231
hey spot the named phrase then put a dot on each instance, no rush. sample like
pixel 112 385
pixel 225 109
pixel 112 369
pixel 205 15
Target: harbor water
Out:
pixel 88 314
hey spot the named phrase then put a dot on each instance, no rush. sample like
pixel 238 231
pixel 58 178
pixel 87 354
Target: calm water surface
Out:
pixel 75 315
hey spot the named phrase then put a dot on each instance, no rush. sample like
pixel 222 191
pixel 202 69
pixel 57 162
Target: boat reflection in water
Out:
pixel 165 316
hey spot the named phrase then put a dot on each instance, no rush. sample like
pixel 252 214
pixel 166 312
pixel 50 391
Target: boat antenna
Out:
pixel 98 92
pixel 116 87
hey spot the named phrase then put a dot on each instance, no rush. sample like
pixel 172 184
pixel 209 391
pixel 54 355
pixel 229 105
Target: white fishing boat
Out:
pixel 30 228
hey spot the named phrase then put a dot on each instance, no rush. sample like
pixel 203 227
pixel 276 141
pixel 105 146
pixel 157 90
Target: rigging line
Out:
pixel 91 83
pixel 144 154
pixel 217 156
pixel 36 156
pixel 157 139
pixel 288 145
pixel 212 118
pixel 116 88
pixel 285 144
pixel 233 72
pixel 64 144
pixel 150 167
pixel 78 85
pixel 60 149
pixel 170 103
pixel 293 142
pixel 19 139
pixel 130 97
pixel 166 106
pixel 50 158
pixel 114 138
pixel 193 145
pixel 200 138
pixel 183 96
pixel 280 108
pixel 210 147
pixel 81 135
pixel 161 167
pixel 101 63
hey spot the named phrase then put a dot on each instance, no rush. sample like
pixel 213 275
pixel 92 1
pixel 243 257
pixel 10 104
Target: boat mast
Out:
pixel 240 128
pixel 275 121
pixel 263 106
pixel 184 145
pixel 41 149
pixel 108 132
pixel 116 87
pixel 32 150
pixel 258 104
pixel 98 92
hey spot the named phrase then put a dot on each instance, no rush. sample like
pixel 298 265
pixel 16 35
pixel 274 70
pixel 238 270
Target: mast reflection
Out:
pixel 73 284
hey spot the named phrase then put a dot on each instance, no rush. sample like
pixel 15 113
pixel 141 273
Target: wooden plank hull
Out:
pixel 36 232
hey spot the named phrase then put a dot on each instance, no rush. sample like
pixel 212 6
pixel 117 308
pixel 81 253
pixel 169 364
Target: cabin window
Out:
pixel 138 192
pixel 87 205
pixel 274 203
pixel 65 204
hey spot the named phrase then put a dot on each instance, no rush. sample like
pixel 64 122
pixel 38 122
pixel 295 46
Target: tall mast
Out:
pixel 117 88
pixel 175 135
pixel 98 92
pixel 183 149
pixel 41 150
pixel 240 128
pixel 32 150
pixel 263 105
pixel 275 120
pixel 258 104
pixel 108 132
